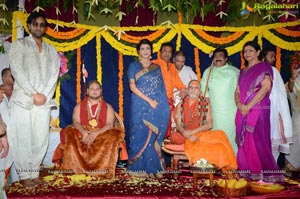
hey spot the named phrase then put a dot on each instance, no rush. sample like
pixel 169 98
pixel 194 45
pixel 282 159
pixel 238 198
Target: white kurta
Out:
pixel 34 72
pixel 281 122
pixel 221 87
pixel 186 75
pixel 294 157
pixel 6 162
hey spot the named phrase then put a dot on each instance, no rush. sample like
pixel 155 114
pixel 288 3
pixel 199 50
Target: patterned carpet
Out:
pixel 82 186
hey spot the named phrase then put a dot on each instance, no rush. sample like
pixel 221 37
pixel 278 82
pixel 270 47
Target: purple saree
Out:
pixel 253 136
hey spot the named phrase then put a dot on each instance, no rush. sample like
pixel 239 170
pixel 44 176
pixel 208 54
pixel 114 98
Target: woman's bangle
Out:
pixel 292 79
pixel 3 134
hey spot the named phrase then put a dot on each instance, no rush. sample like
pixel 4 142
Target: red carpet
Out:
pixel 81 186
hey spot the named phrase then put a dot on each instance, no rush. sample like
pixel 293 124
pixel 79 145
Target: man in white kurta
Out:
pixel 185 73
pixel 293 159
pixel 220 81
pixel 281 122
pixel 5 162
pixel 35 67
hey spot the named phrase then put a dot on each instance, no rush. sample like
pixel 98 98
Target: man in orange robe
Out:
pixel 194 121
pixel 170 76
pixel 92 143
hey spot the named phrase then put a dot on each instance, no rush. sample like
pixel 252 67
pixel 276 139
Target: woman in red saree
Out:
pixel 254 156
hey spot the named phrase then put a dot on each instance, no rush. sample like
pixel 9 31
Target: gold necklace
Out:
pixel 93 117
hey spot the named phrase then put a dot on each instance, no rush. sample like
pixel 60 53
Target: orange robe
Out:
pixel 171 77
pixel 98 159
pixel 213 146
pixel 171 80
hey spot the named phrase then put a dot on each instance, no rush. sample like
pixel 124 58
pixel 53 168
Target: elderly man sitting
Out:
pixel 194 121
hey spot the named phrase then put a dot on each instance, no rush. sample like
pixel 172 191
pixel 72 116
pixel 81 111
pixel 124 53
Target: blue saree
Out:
pixel 147 125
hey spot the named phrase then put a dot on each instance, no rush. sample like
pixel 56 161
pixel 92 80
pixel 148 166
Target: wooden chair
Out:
pixel 118 122
pixel 175 157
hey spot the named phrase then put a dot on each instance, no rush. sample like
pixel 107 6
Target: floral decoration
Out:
pixel 295 60
pixel 63 64
pixel 124 43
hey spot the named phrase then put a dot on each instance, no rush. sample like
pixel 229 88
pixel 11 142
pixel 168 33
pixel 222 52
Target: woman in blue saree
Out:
pixel 149 115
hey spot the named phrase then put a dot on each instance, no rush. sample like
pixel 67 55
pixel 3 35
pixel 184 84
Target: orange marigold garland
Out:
pixel 219 40
pixel 78 76
pixel 278 58
pixel 121 67
pixel 242 60
pixel 65 35
pixel 289 33
pixel 197 63
pixel 179 17
pixel 136 39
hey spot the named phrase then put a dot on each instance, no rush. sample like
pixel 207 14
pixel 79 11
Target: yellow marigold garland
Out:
pixel 178 41
pixel 278 58
pixel 259 40
pixel 277 41
pixel 57 97
pixel 175 29
pixel 99 57
pixel 71 45
pixel 78 76
pixel 182 28
pixel 197 63
pixel 121 67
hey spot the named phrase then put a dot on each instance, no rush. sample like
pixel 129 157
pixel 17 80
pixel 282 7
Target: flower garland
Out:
pixel 178 41
pixel 242 60
pixel 57 97
pixel 179 14
pixel 278 58
pixel 121 68
pixel 219 40
pixel 277 41
pixel 63 69
pixel 131 50
pixel 197 63
pixel 78 76
pixel 288 33
pixel 295 60
pixel 179 28
pixel 82 34
pixel 71 45
pixel 150 37
pixel 65 35
pixel 99 57
pixel 259 40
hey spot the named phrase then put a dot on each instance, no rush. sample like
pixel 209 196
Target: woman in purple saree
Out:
pixel 149 114
pixel 253 136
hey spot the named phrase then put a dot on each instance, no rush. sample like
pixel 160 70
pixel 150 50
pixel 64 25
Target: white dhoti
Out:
pixel 281 121
pixel 29 138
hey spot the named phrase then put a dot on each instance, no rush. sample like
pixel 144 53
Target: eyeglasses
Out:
pixel 36 24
